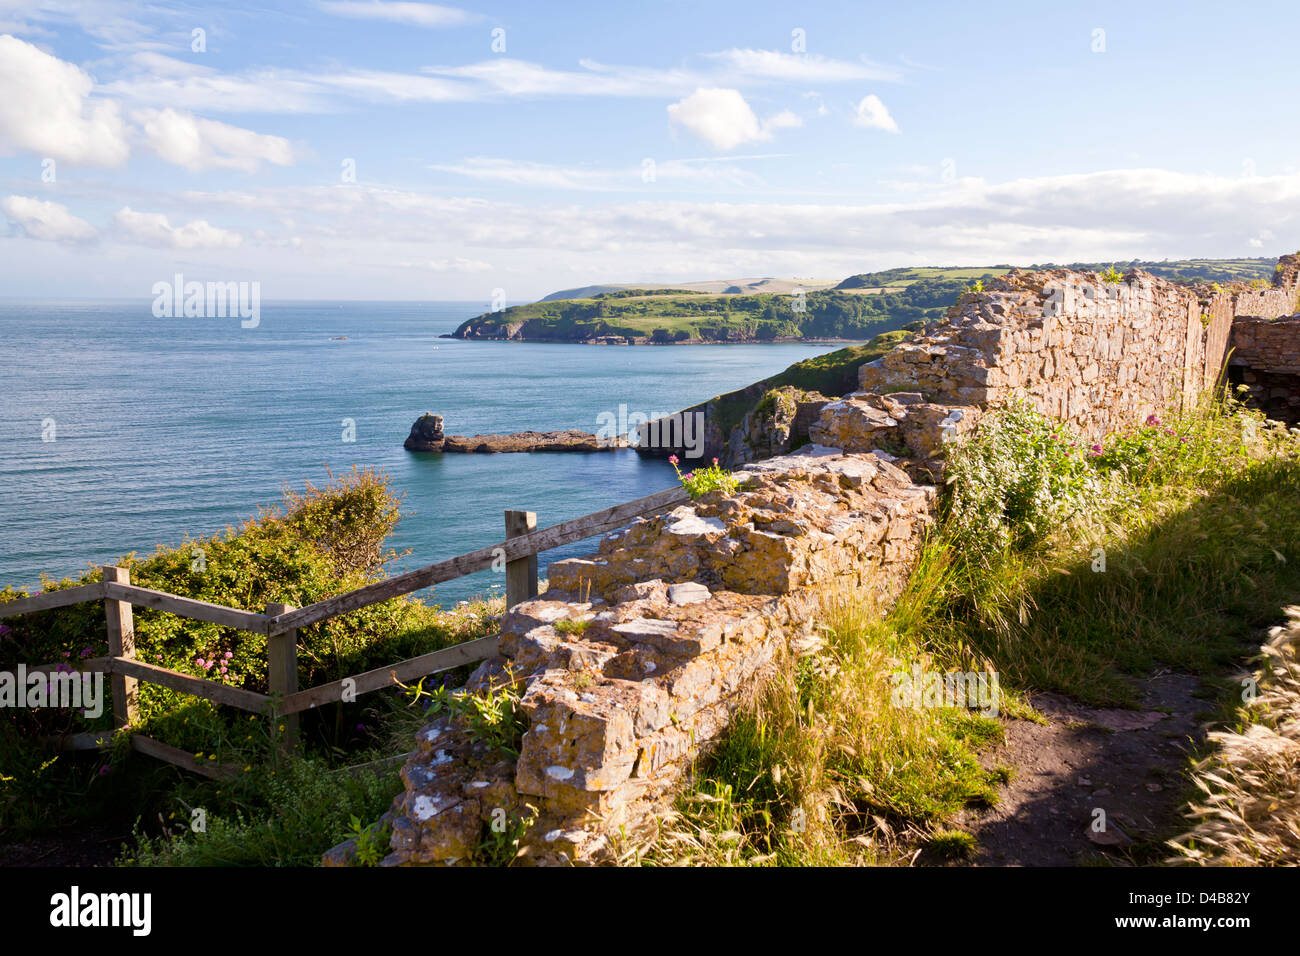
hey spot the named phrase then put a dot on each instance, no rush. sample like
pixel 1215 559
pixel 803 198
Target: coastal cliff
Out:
pixel 768 418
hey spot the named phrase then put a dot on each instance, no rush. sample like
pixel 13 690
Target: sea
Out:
pixel 121 431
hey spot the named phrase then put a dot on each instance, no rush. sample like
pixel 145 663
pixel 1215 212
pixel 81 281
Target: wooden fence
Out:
pixel 280 623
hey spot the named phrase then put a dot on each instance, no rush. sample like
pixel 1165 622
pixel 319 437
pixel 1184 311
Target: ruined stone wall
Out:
pixel 636 657
pixel 1095 353
pixel 1266 359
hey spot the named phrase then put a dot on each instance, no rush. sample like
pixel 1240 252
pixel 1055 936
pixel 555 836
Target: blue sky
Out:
pixel 383 150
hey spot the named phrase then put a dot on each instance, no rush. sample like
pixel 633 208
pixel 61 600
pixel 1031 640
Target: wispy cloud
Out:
pixel 410 14
pixel 649 172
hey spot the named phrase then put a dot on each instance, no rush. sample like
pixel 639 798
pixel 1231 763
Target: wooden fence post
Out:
pixel 121 643
pixel 282 678
pixel 521 573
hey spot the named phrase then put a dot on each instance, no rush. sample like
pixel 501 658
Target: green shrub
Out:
pixel 320 543
pixel 269 817
pixel 1014 481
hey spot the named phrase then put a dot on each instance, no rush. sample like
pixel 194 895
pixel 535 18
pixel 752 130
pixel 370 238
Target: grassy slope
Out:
pixel 832 373
pixel 1178 270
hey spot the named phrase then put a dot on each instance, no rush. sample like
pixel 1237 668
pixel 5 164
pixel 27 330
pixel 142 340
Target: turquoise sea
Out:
pixel 163 427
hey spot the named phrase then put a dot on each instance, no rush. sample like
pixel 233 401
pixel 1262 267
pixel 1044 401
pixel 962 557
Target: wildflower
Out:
pixel 1153 421
pixel 85 652
pixel 223 668
pixel 688 476
pixel 715 463
pixel 228 655
pixel 673 459
pixel 1096 449
pixel 67 653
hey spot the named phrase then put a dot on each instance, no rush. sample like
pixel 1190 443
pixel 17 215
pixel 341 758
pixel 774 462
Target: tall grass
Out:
pixel 1249 811
pixel 1057 564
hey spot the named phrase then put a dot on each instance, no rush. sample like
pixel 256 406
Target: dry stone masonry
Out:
pixel 1096 353
pixel 637 657
pixel 1266 359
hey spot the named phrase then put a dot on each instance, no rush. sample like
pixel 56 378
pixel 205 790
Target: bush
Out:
pixel 1017 479
pixel 321 542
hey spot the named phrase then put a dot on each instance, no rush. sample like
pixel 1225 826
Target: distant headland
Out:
pixel 771 310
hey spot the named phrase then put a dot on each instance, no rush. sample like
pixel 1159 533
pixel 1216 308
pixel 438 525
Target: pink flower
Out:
pixel 689 475
pixel 1096 449
pixel 672 459
pixel 223 668
pixel 1153 421
pixel 228 655
pixel 715 462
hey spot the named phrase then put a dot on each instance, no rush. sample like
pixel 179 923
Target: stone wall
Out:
pixel 1266 359
pixel 1095 353
pixel 636 657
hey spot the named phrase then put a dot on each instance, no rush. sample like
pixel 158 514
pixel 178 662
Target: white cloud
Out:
pixel 46 108
pixel 412 14
pixel 511 172
pixel 723 119
pixel 456 264
pixel 801 67
pixel 871 113
pixel 154 79
pixel 195 143
pixel 50 221
pixel 355 239
pixel 154 229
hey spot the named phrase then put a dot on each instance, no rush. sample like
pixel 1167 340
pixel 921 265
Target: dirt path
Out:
pixel 1128 763
pixel 90 845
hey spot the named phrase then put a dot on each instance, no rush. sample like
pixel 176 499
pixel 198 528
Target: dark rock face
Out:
pixel 426 434
pixel 570 440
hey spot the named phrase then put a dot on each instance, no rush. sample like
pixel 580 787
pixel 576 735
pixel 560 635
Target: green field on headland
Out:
pixel 858 308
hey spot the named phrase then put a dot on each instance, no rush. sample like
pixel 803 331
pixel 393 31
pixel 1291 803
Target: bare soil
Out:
pixel 1129 764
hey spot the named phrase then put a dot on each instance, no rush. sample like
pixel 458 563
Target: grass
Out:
pixel 1249 787
pixel 822 769
pixel 832 373
pixel 286 816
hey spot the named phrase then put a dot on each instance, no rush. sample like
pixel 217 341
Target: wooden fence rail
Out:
pixel 517 554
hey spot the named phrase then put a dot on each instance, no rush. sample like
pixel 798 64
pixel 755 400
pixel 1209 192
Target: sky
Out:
pixel 366 149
